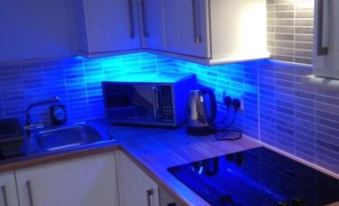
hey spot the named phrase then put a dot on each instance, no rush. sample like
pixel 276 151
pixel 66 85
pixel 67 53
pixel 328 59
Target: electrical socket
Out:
pixel 241 102
pixel 229 99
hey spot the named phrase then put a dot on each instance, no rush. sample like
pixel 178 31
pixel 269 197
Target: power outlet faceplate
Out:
pixel 229 99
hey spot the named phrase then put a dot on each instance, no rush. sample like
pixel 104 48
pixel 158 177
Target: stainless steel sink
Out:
pixel 68 137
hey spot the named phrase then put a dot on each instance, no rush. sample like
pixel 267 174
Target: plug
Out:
pixel 228 101
pixel 236 104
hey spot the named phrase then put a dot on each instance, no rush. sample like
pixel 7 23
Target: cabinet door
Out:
pixel 326 39
pixel 80 182
pixel 8 193
pixel 187 27
pixel 166 199
pixel 108 25
pixel 135 187
pixel 152 24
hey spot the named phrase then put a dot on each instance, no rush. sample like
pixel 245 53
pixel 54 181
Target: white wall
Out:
pixel 35 29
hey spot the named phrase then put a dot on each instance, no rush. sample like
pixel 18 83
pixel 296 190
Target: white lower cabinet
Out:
pixel 109 179
pixel 8 193
pixel 166 199
pixel 135 187
pixel 88 181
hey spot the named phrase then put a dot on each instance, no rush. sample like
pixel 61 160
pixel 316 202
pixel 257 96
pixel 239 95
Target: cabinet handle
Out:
pixel 30 194
pixel 149 193
pixel 321 50
pixel 4 195
pixel 143 19
pixel 196 21
pixel 131 19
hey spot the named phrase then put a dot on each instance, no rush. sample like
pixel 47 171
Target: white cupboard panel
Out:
pixel 135 187
pixel 8 193
pixel 80 182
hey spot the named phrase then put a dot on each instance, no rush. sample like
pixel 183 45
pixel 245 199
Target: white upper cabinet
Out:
pixel 217 30
pixel 84 181
pixel 208 31
pixel 187 27
pixel 152 24
pixel 107 26
pixel 238 30
pixel 326 39
pixel 8 192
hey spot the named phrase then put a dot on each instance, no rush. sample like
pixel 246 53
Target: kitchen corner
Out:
pixel 154 150
pixel 159 149
pixel 169 103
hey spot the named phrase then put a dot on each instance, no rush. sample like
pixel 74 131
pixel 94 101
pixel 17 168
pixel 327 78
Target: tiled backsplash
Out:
pixel 278 109
pixel 236 80
pixel 76 80
pixel 290 30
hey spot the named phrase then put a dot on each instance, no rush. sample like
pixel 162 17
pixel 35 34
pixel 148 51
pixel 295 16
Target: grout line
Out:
pixel 258 103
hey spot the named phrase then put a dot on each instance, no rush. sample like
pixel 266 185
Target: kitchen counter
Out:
pixel 155 153
pixel 152 149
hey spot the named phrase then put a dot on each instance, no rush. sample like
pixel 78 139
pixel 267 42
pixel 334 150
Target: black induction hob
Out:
pixel 257 177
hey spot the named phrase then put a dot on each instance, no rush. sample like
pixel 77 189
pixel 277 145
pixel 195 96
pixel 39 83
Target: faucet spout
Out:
pixel 52 100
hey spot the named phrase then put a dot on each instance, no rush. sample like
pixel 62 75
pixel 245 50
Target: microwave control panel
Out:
pixel 166 105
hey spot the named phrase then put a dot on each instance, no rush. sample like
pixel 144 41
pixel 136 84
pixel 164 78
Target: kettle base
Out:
pixel 200 131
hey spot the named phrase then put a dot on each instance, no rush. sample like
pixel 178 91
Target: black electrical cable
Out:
pixel 223 133
pixel 223 120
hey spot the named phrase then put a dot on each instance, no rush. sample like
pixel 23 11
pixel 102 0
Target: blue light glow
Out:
pixel 232 170
pixel 234 79
pixel 79 57
pixel 78 80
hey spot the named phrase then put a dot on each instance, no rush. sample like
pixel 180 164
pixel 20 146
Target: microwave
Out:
pixel 151 99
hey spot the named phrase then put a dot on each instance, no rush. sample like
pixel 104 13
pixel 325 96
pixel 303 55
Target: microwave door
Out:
pixel 130 103
pixel 146 100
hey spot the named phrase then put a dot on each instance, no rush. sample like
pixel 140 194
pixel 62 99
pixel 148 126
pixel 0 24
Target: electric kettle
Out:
pixel 201 112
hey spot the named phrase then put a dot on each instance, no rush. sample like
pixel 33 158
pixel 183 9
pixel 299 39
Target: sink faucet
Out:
pixel 29 126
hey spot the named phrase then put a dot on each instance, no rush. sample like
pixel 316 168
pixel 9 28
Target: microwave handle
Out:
pixel 155 92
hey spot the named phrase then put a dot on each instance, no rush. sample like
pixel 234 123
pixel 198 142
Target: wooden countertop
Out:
pixel 155 153
pixel 152 149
